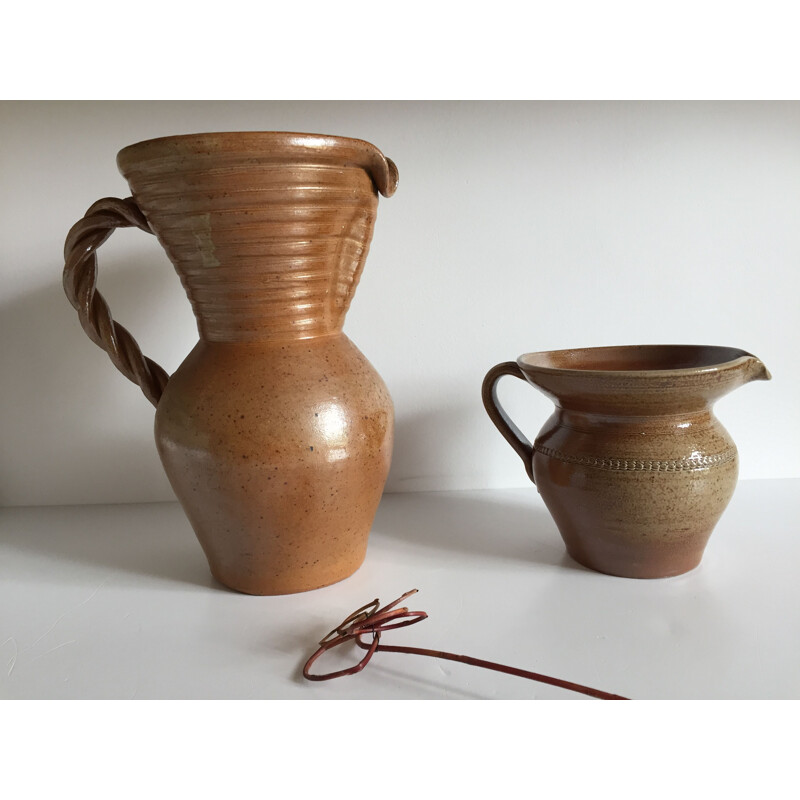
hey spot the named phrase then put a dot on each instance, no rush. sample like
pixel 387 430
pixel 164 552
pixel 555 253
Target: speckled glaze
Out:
pixel 633 465
pixel 275 432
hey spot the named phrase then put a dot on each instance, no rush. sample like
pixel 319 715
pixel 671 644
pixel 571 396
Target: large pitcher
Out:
pixel 275 432
pixel 633 465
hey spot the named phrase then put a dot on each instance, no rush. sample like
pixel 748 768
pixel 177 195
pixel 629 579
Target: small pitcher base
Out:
pixel 636 567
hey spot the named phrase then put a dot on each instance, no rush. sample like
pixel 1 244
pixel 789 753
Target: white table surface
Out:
pixel 117 602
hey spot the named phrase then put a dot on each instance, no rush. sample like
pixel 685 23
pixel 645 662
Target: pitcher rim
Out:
pixel 736 356
pixel 358 152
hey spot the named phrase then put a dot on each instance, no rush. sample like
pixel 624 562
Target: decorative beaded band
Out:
pixel 638 465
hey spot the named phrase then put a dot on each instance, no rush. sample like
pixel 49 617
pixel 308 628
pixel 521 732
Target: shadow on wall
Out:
pixel 75 429
pixel 137 546
pixel 436 450
pixel 493 527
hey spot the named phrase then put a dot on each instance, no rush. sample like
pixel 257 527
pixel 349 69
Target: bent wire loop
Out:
pixel 374 620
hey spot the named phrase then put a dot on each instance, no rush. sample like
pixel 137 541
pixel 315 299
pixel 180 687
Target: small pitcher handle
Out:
pixel 511 433
pixel 80 281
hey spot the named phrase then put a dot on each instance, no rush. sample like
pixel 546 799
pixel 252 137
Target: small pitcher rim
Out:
pixel 735 356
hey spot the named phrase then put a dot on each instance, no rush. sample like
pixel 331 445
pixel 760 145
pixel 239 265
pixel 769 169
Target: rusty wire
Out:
pixel 374 620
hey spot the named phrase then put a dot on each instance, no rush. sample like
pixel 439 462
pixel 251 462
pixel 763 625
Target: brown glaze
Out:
pixel 633 465
pixel 275 432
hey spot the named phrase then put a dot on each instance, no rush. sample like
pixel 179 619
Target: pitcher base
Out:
pixel 283 584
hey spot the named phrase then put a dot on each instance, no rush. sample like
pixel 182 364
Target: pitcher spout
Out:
pixel 739 372
pixel 757 371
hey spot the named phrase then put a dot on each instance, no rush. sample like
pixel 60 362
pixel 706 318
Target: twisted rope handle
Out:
pixel 80 285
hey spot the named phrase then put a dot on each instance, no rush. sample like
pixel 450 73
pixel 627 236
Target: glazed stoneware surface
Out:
pixel 275 432
pixel 633 465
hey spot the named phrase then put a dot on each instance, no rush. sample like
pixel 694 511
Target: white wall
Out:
pixel 516 227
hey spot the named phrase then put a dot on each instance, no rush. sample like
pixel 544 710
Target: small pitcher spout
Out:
pixel 757 371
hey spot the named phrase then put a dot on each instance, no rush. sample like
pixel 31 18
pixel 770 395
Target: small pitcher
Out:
pixel 633 465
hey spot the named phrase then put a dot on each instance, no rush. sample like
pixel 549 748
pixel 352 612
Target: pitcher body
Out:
pixel 631 496
pixel 278 453
pixel 633 465
pixel 275 432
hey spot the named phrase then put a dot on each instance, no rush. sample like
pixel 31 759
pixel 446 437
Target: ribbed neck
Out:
pixel 269 237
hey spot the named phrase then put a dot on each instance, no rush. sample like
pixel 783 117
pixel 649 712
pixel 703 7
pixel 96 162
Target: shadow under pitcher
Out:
pixel 633 465
pixel 275 432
